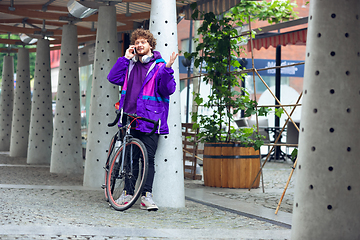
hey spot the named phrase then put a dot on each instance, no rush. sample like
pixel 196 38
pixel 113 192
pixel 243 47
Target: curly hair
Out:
pixel 142 33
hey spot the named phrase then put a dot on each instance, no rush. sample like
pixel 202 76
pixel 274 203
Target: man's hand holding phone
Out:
pixel 130 52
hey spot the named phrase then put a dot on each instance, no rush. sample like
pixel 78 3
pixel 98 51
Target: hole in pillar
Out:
pixel 319 35
pixel 315 110
pixel 159 33
pixel 173 33
pixel 297 205
pixel 333 15
pixel 175 148
pixel 166 21
pixel 302 129
pixel 331 168
pixel 97 160
pixel 317 73
pixel 347 73
pixel 332 91
pixel 331 130
pixel 99 123
pixel 348 149
pixel 311 187
pixel 349 188
pixel 305 91
pixel 329 207
pixel 166 44
pixel 357 17
pixel 308 54
pixel 348 110
pixel 332 53
pixel 165 160
pixel 346 35
pixel 108 41
pixel 313 148
pixel 176 171
pixel 174 125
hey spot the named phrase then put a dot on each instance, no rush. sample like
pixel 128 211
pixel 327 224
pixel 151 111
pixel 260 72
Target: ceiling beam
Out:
pixel 11 41
pixel 39 7
pixel 34 14
pixel 15 30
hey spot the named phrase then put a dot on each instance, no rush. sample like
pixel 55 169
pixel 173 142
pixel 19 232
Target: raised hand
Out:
pixel 173 57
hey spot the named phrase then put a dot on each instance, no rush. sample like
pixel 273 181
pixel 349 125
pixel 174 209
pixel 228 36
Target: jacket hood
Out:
pixel 157 55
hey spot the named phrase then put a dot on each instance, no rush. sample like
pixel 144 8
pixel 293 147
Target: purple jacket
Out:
pixel 153 100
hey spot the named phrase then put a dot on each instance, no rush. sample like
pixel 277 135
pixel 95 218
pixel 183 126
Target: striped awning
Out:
pixel 297 37
pixel 215 6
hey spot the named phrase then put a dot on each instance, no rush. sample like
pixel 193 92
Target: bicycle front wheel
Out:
pixel 111 153
pixel 127 175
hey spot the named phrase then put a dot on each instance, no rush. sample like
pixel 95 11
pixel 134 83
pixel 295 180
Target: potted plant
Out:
pixel 231 156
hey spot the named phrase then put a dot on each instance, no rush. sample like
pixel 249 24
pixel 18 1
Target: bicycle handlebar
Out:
pixel 118 115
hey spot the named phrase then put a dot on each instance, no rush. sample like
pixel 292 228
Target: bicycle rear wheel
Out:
pixel 125 183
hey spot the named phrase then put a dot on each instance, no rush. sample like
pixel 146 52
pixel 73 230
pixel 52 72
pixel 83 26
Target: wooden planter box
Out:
pixel 230 165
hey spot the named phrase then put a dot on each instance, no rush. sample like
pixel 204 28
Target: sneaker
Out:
pixel 147 203
pixel 124 198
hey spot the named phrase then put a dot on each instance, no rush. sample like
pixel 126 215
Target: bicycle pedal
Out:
pixel 103 186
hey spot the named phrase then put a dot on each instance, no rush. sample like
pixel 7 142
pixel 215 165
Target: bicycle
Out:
pixel 127 164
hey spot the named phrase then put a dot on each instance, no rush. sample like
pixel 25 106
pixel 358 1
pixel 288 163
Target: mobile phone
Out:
pixel 134 51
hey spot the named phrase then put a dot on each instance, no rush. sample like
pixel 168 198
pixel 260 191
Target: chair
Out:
pixel 242 122
pixel 263 124
pixel 190 152
pixel 292 135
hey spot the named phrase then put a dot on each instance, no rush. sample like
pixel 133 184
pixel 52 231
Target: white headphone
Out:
pixel 144 59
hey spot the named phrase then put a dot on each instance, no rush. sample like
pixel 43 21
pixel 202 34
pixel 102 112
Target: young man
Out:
pixel 147 82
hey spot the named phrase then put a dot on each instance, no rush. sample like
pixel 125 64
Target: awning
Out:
pixel 215 6
pixel 266 40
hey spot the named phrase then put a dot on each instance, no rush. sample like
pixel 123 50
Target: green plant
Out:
pixel 220 51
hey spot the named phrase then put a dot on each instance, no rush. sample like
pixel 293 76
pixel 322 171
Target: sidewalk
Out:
pixel 36 204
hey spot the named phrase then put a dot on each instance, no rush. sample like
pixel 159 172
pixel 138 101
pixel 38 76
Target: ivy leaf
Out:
pixel 279 112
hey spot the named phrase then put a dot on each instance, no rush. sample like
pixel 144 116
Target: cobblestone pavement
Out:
pixel 30 208
pixel 275 177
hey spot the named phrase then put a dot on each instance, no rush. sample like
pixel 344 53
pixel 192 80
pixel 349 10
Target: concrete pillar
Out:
pixel 169 177
pixel 22 106
pixel 66 152
pixel 327 190
pixel 41 125
pixel 6 102
pixel 103 97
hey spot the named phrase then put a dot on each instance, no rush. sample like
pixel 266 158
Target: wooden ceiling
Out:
pixel 38 18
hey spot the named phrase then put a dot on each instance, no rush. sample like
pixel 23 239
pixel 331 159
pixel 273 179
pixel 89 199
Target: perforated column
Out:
pixel 41 125
pixel 6 102
pixel 66 152
pixel 327 191
pixel 169 177
pixel 103 97
pixel 22 106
